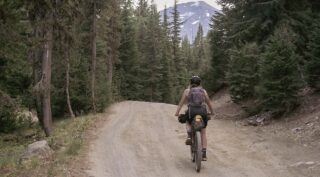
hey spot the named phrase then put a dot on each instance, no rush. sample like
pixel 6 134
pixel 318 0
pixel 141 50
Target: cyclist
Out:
pixel 196 97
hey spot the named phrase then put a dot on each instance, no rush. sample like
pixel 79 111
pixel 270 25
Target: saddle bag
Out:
pixel 182 118
pixel 198 123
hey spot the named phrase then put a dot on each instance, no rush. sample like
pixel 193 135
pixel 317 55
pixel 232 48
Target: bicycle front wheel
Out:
pixel 198 151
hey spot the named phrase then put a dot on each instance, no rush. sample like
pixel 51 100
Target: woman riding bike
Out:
pixel 197 99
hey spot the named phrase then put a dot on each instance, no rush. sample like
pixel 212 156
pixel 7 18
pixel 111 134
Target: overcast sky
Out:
pixel 169 3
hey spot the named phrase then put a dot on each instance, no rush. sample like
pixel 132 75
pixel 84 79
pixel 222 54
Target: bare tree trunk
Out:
pixel 94 55
pixel 36 55
pixel 37 77
pixel 113 42
pixel 46 79
pixel 110 75
pixel 68 81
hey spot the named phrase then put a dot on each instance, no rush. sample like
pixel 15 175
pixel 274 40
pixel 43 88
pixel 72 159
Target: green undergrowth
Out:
pixel 66 142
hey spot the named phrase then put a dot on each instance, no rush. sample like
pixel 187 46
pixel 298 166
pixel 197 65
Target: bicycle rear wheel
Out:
pixel 193 148
pixel 192 153
pixel 198 151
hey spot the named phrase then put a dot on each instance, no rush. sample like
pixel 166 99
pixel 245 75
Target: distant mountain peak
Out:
pixel 196 3
pixel 192 14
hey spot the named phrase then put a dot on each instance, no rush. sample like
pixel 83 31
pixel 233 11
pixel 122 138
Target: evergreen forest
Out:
pixel 67 58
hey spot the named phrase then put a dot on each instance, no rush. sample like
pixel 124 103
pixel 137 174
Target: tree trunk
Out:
pixel 110 75
pixel 68 81
pixel 113 42
pixel 110 58
pixel 94 55
pixel 36 55
pixel 46 79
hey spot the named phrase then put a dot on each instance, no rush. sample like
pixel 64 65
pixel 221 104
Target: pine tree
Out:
pixel 127 65
pixel 279 80
pixel 186 55
pixel 81 61
pixel 200 53
pixel 113 42
pixel 242 74
pixel 176 29
pixel 153 56
pixel 313 55
pixel 167 61
pixel 216 76
pixel 142 13
pixel 45 18
pixel 93 54
pixel 15 64
pixel 39 38
pixel 244 23
pixel 180 72
pixel 64 47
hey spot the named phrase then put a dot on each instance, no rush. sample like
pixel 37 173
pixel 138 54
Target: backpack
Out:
pixel 196 97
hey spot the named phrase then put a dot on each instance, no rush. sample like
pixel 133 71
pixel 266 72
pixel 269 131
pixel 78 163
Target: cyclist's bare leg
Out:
pixel 204 138
pixel 204 144
pixel 188 127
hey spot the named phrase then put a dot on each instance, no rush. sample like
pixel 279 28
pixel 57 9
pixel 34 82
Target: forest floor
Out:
pixel 137 139
pixel 66 143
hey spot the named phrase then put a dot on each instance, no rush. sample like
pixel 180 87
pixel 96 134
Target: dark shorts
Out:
pixel 197 111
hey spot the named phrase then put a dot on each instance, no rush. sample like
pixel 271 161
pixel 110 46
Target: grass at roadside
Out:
pixel 66 142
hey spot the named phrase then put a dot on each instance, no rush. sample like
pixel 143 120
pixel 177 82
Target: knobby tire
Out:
pixel 198 151
pixel 192 151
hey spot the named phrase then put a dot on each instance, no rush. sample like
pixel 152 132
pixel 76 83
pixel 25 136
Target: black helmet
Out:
pixel 195 80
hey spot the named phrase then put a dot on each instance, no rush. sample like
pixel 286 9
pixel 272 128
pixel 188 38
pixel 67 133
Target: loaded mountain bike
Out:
pixel 196 144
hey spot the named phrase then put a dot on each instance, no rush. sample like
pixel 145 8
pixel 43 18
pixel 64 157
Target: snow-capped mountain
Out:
pixel 192 14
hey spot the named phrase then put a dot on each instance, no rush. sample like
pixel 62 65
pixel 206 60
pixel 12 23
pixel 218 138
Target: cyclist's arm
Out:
pixel 208 102
pixel 182 100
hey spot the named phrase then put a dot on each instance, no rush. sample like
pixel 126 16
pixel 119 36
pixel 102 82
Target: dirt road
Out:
pixel 145 140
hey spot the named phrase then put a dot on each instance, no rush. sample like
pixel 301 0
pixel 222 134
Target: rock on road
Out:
pixel 145 140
